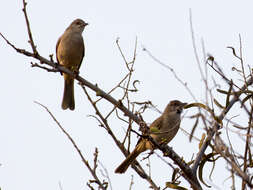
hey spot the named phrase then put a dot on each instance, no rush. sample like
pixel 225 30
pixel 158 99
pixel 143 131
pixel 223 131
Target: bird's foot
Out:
pixel 76 73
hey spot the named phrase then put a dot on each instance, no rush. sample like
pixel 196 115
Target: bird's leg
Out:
pixel 75 71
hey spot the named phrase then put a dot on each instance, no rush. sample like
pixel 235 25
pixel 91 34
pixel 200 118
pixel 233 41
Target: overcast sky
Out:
pixel 35 154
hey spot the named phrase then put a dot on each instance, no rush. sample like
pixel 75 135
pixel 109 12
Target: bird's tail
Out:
pixel 141 147
pixel 68 100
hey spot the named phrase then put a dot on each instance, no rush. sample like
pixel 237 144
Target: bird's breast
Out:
pixel 70 50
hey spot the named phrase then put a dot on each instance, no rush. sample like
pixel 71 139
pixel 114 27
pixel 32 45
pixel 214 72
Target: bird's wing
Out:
pixel 83 51
pixel 157 124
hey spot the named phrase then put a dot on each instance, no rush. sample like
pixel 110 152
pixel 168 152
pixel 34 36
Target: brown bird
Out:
pixel 70 53
pixel 162 130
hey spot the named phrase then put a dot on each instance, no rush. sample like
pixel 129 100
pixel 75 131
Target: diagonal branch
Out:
pixel 76 147
pixel 83 82
pixel 140 171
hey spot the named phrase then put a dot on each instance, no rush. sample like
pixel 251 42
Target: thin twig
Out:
pixel 29 29
pixel 172 71
pixel 75 146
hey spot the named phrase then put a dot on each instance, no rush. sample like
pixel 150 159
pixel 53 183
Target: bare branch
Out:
pixel 92 171
pixel 29 29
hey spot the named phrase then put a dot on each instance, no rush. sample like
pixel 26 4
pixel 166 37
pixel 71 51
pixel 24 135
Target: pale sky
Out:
pixel 35 154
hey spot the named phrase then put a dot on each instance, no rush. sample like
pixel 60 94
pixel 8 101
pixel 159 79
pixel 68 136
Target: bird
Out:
pixel 162 130
pixel 69 53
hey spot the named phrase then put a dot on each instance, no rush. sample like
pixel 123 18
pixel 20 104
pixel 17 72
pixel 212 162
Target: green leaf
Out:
pixel 202 140
pixel 206 158
pixel 174 186
pixel 246 98
pixel 218 104
pixel 222 91
pixel 229 92
pixel 193 128
pixel 175 172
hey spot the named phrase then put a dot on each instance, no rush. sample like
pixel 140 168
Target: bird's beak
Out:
pixel 184 104
pixel 85 24
pixel 181 107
